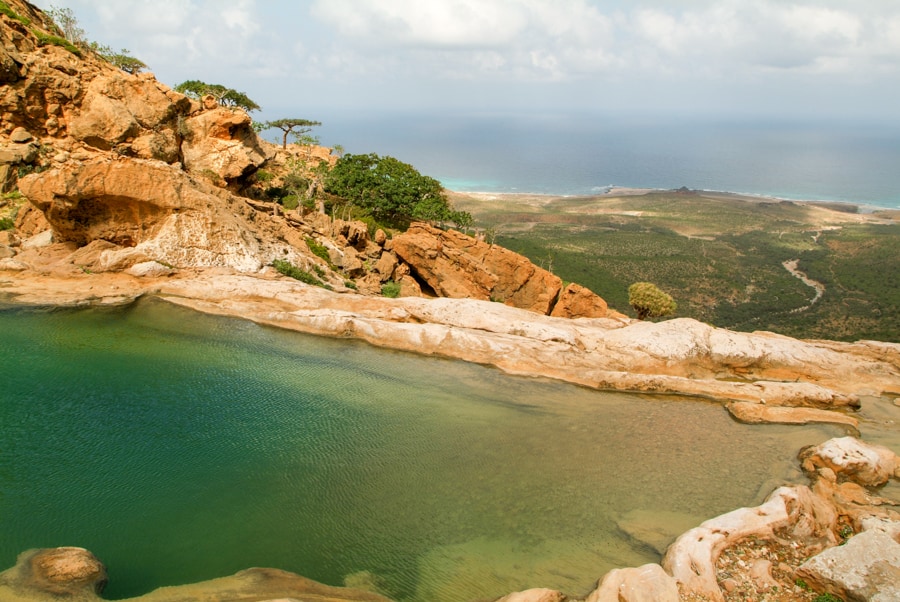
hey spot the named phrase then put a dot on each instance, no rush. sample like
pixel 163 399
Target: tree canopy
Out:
pixel 228 97
pixel 389 189
pixel 297 127
pixel 650 302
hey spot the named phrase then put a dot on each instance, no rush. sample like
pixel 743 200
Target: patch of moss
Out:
pixel 45 39
pixel 6 10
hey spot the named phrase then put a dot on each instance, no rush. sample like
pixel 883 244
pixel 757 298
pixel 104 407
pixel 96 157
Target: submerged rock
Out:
pixel 75 574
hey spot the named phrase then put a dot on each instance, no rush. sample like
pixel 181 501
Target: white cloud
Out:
pixel 476 48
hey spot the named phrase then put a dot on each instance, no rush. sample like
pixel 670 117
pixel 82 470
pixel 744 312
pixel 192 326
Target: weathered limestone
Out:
pixel 222 141
pixel 853 460
pixel 150 210
pixel 757 413
pixel 867 567
pixel 691 560
pixel 535 595
pixel 648 583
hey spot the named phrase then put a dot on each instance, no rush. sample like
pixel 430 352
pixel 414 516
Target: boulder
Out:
pixel 459 266
pixel 222 141
pixel 852 460
pixel 576 301
pixel 866 567
pixel 534 595
pixel 648 583
pixel 20 136
pixel 63 572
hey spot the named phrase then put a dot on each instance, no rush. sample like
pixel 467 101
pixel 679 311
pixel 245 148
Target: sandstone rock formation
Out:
pixel 458 266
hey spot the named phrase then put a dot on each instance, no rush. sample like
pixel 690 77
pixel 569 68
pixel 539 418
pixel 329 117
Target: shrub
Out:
pixel 6 10
pixel 45 39
pixel 650 302
pixel 390 289
pixel 290 201
pixel 6 223
pixel 264 176
pixel 289 269
pixel 318 249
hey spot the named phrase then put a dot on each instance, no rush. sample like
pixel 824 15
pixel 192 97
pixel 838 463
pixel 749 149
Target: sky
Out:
pixel 835 59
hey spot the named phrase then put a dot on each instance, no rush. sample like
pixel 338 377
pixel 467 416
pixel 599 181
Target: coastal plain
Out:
pixel 721 256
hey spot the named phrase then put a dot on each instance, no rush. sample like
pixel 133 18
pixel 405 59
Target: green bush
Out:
pixel 390 289
pixel 45 39
pixel 318 249
pixel 827 598
pixel 650 302
pixel 289 269
pixel 6 223
pixel 6 10
pixel 290 201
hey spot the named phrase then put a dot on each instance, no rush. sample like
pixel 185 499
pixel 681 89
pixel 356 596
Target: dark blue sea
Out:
pixel 570 154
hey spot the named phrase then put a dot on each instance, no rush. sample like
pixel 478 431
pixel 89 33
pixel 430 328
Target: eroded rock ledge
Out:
pixel 759 370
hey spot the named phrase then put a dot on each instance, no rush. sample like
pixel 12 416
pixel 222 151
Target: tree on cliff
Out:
pixel 66 23
pixel 227 97
pixel 388 188
pixel 297 127
pixel 650 302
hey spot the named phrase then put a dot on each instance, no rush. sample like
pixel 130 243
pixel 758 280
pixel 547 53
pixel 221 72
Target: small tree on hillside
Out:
pixel 297 127
pixel 650 302
pixel 227 97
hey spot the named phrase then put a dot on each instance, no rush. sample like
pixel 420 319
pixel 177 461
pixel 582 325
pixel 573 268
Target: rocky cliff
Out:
pixel 123 171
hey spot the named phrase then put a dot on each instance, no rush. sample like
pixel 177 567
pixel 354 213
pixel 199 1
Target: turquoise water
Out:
pixel 180 447
pixel 585 153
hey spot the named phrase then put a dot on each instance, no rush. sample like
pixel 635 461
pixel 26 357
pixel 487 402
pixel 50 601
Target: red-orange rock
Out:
pixel 458 266
pixel 576 301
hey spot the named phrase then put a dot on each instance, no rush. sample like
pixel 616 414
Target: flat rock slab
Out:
pixel 757 413
pixel 867 567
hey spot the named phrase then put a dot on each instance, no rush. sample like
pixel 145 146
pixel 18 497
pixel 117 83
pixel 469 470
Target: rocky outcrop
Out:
pixel 852 460
pixel 576 301
pixel 76 574
pixel 143 210
pixel 648 583
pixel 221 141
pixel 866 567
pixel 454 265
pixel 461 267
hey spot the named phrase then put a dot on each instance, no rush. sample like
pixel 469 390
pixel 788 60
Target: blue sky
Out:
pixel 830 58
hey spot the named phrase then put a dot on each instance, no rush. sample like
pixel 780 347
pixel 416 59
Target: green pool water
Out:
pixel 180 447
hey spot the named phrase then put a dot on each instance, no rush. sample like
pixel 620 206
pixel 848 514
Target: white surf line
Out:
pixel 791 266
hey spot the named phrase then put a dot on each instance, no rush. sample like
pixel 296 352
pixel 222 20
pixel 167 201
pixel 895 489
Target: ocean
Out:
pixel 578 154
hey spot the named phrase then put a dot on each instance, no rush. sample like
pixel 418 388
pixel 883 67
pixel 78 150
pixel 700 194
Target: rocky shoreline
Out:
pixel 759 377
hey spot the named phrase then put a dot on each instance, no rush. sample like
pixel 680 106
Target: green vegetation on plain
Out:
pixel 719 256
